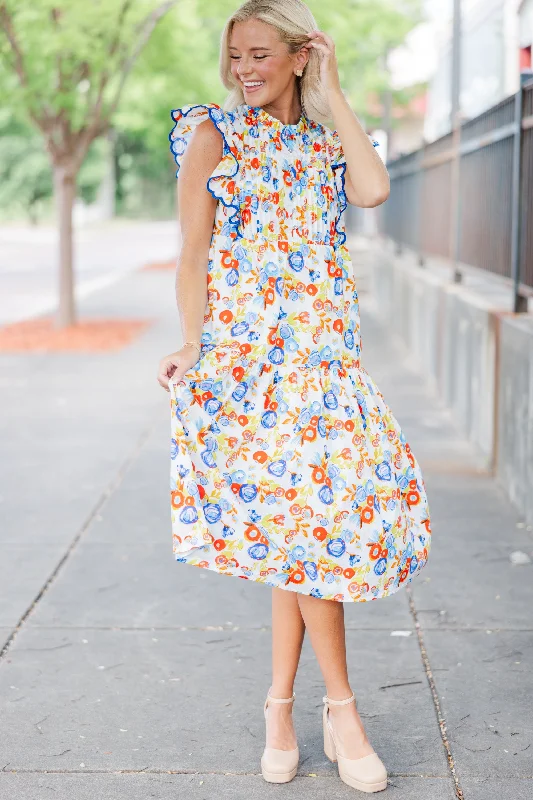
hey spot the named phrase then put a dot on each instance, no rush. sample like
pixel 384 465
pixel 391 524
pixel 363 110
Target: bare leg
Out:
pixel 287 637
pixel 324 621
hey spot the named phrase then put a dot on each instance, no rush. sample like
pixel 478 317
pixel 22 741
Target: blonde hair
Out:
pixel 293 21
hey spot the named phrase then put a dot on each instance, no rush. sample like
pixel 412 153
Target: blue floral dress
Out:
pixel 287 466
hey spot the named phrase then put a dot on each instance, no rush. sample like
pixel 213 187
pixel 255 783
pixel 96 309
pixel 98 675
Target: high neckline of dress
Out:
pixel 262 115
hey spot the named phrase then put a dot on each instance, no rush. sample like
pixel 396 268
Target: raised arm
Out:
pixel 366 181
pixel 196 217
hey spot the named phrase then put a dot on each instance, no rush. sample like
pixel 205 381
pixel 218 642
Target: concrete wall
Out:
pixel 478 355
pixel 467 365
pixel 515 412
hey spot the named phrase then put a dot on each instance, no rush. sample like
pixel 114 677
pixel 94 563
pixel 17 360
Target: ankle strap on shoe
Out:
pixel 280 699
pixel 331 702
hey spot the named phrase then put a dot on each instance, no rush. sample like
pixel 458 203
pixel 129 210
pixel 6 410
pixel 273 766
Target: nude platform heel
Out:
pixel 278 766
pixel 368 774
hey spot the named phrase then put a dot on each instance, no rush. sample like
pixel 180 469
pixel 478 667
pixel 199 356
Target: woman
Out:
pixel 288 468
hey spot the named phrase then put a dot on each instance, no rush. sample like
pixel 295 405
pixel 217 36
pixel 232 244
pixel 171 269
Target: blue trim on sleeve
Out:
pixel 343 204
pixel 178 146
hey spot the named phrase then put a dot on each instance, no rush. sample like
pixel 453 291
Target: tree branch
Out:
pixel 95 124
pixel 99 124
pixel 6 22
pixel 146 29
pixel 120 21
pixel 55 15
pixel 7 25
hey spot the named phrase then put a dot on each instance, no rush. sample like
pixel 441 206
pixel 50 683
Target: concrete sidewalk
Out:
pixel 126 674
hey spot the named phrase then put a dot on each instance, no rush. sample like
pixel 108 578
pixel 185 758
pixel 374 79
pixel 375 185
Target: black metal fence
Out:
pixel 491 226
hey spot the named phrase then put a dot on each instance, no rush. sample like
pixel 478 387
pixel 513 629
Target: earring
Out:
pixel 299 72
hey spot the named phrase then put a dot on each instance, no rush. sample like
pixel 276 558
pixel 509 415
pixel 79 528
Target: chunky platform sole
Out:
pixel 346 771
pixel 278 777
pixel 278 766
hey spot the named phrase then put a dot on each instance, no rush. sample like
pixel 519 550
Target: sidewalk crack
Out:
pixel 110 489
pixel 440 716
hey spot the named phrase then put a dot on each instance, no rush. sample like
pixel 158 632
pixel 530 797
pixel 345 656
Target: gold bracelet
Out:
pixel 196 344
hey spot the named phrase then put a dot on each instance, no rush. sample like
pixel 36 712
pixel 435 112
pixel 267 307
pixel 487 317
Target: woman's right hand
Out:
pixel 176 365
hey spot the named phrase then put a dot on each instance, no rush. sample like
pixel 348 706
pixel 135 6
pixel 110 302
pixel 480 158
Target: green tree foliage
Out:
pixel 25 174
pixel 26 185
pixel 64 65
pixel 364 32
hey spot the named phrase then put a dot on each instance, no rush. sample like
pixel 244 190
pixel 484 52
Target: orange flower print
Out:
pixel 287 467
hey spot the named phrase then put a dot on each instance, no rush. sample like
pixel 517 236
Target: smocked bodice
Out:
pixel 276 182
pixel 286 185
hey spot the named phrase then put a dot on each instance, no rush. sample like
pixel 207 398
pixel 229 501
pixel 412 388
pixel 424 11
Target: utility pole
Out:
pixel 455 215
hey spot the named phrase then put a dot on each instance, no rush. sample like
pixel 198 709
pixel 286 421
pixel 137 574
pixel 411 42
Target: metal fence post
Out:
pixel 420 203
pixel 456 121
pixel 520 302
pixel 398 249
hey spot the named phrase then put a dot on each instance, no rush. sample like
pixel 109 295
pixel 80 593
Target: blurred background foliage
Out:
pixel 177 66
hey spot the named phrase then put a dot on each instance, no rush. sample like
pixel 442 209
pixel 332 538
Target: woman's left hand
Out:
pixel 329 70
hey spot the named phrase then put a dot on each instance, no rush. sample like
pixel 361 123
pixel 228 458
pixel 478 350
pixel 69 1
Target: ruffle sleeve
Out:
pixel 338 163
pixel 221 183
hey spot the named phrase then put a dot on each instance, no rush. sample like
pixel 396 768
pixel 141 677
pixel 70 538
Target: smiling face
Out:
pixel 262 65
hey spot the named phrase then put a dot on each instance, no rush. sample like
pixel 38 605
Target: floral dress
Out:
pixel 287 466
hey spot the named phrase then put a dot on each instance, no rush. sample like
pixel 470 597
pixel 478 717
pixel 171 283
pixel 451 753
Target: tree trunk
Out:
pixel 64 195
